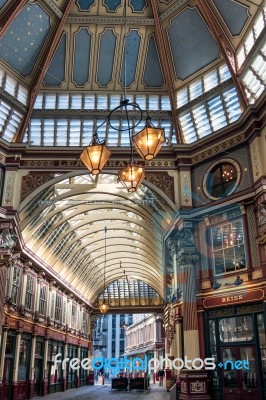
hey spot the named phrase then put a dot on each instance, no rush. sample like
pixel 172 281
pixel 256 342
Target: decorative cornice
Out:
pixel 75 19
pixel 223 146
pixel 170 10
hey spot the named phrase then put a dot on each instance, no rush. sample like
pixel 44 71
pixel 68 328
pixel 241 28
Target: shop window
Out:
pixel 262 340
pixel 228 248
pixel 72 353
pixel 42 300
pixel 15 285
pixel 24 355
pixel 39 349
pixel 83 372
pixel 236 329
pixel 29 292
pixel 221 180
pixel 58 307
pixel 10 345
pixel 56 375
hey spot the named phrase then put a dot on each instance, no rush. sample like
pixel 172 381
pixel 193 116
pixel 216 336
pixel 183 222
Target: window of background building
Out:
pixel 29 292
pixel 221 180
pixel 42 300
pixel 15 285
pixel 113 347
pixel 228 249
pixel 122 347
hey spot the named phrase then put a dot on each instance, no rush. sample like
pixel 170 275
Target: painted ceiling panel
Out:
pixel 56 72
pixel 82 57
pixel 234 14
pixel 192 44
pixel 85 4
pixel 2 3
pixel 106 57
pixel 23 40
pixel 132 51
pixel 153 76
pixel 138 5
pixel 112 5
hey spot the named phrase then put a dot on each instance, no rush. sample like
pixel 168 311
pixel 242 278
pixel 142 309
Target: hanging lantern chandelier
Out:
pixel 95 155
pixel 147 142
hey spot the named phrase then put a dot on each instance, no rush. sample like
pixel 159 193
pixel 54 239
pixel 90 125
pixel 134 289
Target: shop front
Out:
pixel 236 339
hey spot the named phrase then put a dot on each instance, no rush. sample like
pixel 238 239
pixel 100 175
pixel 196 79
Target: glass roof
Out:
pixel 64 225
pixel 82 82
pixel 130 291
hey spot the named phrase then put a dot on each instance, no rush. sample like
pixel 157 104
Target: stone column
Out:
pixel 45 368
pixel 194 382
pixel 32 372
pixel 16 363
pixel 186 258
pixel 2 359
pixel 64 388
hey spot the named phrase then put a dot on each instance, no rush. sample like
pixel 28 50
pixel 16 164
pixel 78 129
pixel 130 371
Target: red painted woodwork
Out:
pixel 234 298
pixel 20 390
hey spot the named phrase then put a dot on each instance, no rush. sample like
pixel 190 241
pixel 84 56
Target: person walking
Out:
pixel 161 375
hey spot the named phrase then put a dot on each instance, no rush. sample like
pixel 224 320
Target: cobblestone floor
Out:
pixel 104 393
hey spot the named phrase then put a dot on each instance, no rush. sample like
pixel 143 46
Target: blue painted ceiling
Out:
pixel 191 42
pixel 234 14
pixel 22 43
pixel 90 55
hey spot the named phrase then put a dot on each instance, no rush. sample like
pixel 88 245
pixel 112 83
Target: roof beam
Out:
pixel 42 69
pixel 166 69
pixel 226 48
pixel 10 14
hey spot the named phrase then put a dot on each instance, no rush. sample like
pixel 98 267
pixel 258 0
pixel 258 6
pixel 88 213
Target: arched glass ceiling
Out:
pixel 128 291
pixel 63 225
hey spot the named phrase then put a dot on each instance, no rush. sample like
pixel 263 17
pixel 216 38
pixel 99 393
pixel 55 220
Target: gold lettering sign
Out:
pixel 242 297
pixel 231 298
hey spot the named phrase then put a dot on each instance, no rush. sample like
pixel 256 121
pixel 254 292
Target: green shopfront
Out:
pixel 237 333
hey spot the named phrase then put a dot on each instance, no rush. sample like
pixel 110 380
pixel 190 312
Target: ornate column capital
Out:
pixel 7 258
pixel 189 256
pixel 8 239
